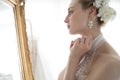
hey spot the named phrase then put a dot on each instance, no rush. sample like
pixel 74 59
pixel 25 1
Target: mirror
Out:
pixel 9 54
pixel 49 38
pixel 14 53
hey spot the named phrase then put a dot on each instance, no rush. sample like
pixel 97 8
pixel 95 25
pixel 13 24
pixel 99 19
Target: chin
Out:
pixel 72 33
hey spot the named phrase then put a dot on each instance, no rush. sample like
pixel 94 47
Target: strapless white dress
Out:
pixel 87 60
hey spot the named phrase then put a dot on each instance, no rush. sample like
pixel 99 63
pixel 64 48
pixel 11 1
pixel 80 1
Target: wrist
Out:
pixel 75 58
pixel 74 55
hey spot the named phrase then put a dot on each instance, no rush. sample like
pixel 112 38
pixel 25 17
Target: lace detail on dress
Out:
pixel 87 60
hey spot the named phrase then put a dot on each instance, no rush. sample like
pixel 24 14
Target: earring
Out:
pixel 90 24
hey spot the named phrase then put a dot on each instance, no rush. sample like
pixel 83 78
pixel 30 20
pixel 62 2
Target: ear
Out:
pixel 92 12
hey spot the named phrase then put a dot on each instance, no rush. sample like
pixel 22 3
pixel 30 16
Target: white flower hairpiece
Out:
pixel 105 12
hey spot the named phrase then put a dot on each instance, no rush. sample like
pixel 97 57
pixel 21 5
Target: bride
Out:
pixel 91 57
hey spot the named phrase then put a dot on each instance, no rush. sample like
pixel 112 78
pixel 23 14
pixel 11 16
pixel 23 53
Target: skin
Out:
pixel 106 62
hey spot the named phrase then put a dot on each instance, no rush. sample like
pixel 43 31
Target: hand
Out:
pixel 80 46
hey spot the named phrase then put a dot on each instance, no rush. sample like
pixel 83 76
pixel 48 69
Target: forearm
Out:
pixel 71 68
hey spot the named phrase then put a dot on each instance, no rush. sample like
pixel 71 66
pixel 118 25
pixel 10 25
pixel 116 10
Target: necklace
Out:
pixel 87 60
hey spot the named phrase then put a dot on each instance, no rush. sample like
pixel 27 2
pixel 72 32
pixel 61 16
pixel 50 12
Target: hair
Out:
pixel 89 3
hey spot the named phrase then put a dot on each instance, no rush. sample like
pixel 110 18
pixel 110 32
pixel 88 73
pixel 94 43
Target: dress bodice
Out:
pixel 87 60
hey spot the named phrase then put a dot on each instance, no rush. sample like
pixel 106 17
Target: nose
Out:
pixel 66 19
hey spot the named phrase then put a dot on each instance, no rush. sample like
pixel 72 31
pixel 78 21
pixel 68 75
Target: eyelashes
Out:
pixel 70 12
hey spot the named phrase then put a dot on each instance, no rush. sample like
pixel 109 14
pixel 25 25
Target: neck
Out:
pixel 94 32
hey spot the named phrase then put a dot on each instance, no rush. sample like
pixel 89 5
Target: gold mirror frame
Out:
pixel 19 14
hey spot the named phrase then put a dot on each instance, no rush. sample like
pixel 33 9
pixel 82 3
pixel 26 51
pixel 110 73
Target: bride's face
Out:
pixel 77 18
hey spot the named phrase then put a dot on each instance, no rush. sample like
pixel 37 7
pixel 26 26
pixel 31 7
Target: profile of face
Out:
pixel 77 18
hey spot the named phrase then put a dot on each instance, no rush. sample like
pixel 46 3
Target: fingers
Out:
pixel 88 40
pixel 77 42
pixel 72 42
pixel 84 40
pixel 81 45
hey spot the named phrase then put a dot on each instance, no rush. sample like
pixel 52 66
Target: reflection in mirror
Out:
pixel 50 38
pixel 9 56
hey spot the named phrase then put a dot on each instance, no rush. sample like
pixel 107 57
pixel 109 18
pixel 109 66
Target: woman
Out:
pixel 91 57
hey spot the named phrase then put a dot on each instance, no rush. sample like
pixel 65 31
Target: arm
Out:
pixel 77 51
pixel 71 69
pixel 61 75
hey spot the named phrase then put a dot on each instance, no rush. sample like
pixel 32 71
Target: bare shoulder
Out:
pixel 105 67
pixel 107 60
